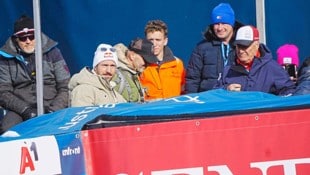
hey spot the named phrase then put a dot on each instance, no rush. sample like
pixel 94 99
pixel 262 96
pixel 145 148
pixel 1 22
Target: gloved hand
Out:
pixel 29 113
pixel 48 110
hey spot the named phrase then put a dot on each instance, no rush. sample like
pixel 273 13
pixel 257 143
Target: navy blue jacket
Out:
pixel 206 62
pixel 303 86
pixel 265 75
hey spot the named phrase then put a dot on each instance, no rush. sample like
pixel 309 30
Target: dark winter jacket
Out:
pixel 206 62
pixel 18 79
pixel 303 82
pixel 265 75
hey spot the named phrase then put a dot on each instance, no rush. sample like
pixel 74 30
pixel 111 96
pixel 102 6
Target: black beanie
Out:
pixel 22 23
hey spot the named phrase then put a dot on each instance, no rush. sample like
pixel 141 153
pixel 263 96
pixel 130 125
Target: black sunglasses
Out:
pixel 24 38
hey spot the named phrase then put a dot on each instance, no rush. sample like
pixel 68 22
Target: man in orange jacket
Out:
pixel 166 77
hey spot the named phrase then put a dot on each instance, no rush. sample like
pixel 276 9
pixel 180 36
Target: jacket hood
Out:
pixel 86 76
pixel 264 51
pixel 168 55
pixel 121 50
pixel 265 56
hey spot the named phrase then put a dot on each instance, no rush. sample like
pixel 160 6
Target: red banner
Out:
pixel 274 143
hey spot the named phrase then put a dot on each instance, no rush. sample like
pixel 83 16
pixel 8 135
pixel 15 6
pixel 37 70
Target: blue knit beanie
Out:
pixel 223 13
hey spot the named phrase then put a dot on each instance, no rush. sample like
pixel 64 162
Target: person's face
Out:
pixel 159 41
pixel 26 43
pixel 246 54
pixel 223 31
pixel 138 63
pixel 106 69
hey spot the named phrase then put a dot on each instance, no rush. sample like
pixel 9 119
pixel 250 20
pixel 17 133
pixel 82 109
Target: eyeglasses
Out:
pixel 24 38
pixel 112 49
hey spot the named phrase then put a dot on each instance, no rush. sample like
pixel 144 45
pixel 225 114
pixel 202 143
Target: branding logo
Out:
pixel 82 115
pixel 29 154
pixel 186 99
pixel 289 167
pixel 71 151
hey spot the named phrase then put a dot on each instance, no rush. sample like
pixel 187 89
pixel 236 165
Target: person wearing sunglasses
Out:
pixel 18 75
pixel 93 86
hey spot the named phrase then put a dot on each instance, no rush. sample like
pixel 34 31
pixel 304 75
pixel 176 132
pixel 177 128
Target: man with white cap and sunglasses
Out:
pixel 94 86
pixel 255 70
pixel 18 75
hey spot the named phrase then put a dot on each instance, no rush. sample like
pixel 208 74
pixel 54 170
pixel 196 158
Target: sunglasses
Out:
pixel 105 49
pixel 24 38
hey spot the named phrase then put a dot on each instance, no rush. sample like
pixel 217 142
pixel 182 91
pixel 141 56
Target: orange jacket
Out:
pixel 163 81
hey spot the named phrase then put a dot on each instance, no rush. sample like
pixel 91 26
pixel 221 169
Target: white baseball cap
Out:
pixel 246 35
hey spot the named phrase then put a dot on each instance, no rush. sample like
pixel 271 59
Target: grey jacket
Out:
pixel 18 79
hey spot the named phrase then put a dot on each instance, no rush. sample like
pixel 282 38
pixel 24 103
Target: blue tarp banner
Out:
pixel 206 104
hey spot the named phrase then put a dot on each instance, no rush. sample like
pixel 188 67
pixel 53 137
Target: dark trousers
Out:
pixel 9 120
